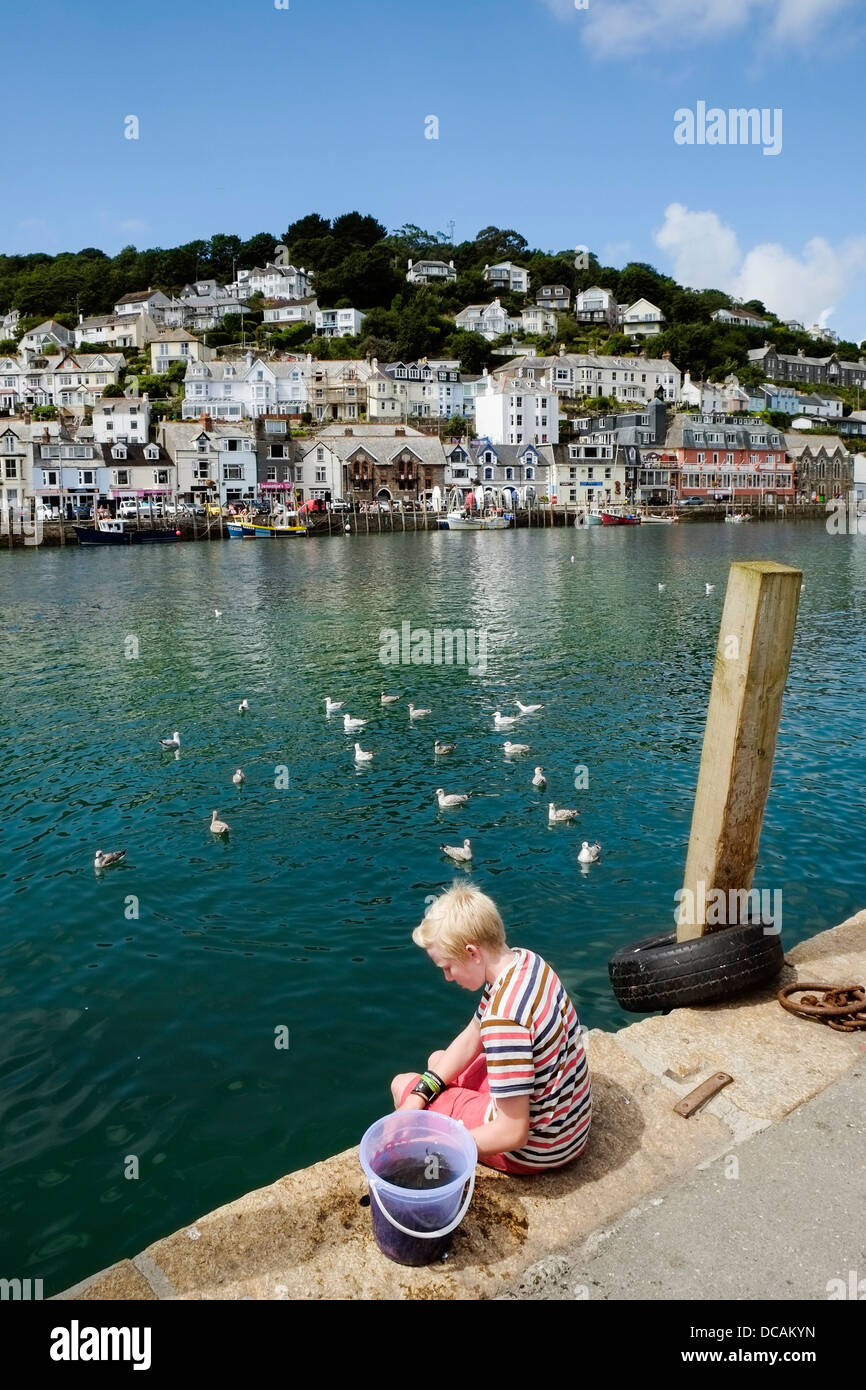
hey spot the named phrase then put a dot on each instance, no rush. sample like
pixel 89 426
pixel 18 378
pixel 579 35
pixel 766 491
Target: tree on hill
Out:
pixel 472 349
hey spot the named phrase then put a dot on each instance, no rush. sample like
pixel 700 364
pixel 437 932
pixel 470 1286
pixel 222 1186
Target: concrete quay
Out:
pixel 307 1235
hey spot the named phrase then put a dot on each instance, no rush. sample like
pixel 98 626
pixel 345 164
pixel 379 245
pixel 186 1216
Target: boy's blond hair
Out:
pixel 461 917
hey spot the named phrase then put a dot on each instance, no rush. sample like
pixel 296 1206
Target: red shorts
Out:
pixel 467 1099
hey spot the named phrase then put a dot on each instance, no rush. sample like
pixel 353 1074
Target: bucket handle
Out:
pixel 426 1235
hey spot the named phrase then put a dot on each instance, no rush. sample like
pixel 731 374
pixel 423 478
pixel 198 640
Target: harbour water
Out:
pixel 141 1008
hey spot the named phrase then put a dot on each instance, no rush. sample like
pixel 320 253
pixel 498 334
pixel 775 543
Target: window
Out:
pixel 321 475
pixel 299 474
pixel 50 478
pixel 488 475
pixel 85 477
pixel 160 477
pixel 12 469
pixel 121 477
pixel 530 473
pixel 118 451
pixel 232 472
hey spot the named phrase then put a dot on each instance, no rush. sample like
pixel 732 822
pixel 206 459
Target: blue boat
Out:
pixel 241 530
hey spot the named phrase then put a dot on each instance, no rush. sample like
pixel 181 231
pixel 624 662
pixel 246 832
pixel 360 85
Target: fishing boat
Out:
pixel 647 518
pixel 117 531
pixel 620 519
pixel 241 530
pixel 280 532
pixel 460 521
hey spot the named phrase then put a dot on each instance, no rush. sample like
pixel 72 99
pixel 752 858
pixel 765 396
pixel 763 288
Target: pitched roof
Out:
pixel 175 335
pixel 135 454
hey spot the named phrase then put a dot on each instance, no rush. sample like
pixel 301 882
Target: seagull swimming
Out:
pixel 361 756
pixel 218 612
pixel 244 705
pixel 238 777
pixel 461 853
pixel 350 724
pixel 502 721
pixel 418 713
pixel 588 853
pixel 528 709
pixel 572 559
pixel 443 747
pixel 709 587
pixel 388 699
pixel 173 742
pixel 104 861
pixel 448 799
pixel 218 827
pixel 559 817
pixel 662 588
pixel 512 749
pixel 539 780
pixel 331 706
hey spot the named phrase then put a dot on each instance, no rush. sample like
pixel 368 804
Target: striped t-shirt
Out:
pixel 533 1047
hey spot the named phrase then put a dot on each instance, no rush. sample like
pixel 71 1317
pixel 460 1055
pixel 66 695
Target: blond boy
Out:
pixel 517 1076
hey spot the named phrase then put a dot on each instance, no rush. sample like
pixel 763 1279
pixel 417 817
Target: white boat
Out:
pixel 648 520
pixel 461 521
pixel 589 518
pixel 495 523
pixel 736 517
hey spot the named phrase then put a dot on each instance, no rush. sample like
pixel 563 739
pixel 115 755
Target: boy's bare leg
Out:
pixel 399 1084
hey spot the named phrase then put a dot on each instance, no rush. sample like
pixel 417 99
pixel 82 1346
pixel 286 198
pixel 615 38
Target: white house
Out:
pixel 401 390
pixel 246 387
pixel 68 469
pixel 213 459
pixel 576 375
pixel 430 272
pixel 274 282
pixel 47 334
pixel 518 410
pixel 122 420
pixel 483 466
pixel 505 275
pixel 741 318
pixel 339 323
pixel 175 345
pixel 151 302
pixel 825 406
pixel 10 324
pixel 142 471
pixel 641 318
pixel 490 320
pixel 596 305
pixel 726 397
pixel 69 380
pixel 289 311
pixel 117 331
pixel 538 319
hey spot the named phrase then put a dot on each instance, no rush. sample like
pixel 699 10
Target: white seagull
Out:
pixel 662 588
pixel 448 799
pixel 104 861
pixel 439 747
pixel 361 756
pixel 572 559
pixel 173 742
pixel 238 777
pixel 709 587
pixel 559 817
pixel 588 853
pixel 218 826
pixel 218 612
pixel 388 699
pixel 512 749
pixel 418 713
pixel 350 724
pixel 244 705
pixel 528 709
pixel 539 780
pixel 331 706
pixel 461 853
pixel 502 721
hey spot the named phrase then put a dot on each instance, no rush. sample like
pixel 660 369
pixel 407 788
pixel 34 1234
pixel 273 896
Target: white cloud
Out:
pixel 705 254
pixel 616 27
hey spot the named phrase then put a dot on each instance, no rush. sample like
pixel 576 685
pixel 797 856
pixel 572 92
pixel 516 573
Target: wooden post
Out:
pixel 367 523
pixel 752 657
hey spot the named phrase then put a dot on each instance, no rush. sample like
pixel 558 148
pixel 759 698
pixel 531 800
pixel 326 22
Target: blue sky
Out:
pixel 554 120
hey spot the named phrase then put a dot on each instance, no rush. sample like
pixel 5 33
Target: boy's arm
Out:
pixel 509 1131
pixel 455 1059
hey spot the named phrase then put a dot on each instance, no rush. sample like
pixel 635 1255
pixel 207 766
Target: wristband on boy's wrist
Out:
pixel 428 1086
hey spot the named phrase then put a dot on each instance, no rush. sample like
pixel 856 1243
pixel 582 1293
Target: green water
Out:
pixel 153 1036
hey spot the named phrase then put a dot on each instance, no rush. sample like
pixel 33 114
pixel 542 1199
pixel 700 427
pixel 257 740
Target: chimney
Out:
pixel 666 357
pixel 801 352
pixel 348 430
pixel 562 349
pixel 410 265
pixel 205 421
pixel 80 317
pixel 398 429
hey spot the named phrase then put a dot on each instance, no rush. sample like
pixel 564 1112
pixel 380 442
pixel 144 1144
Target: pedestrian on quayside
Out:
pixel 517 1076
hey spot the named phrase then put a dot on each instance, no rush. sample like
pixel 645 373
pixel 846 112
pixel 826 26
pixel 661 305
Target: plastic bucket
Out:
pixel 417 1165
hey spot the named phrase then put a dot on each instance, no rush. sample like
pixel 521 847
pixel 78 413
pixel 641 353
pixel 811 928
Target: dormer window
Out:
pixel 119 451
pixel 151 452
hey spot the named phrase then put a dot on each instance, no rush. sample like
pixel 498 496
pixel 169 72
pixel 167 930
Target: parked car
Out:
pixel 338 504
pixel 44 512
pixel 691 502
pixel 127 510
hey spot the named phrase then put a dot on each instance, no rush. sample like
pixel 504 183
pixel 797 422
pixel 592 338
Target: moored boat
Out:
pixel 461 521
pixel 619 519
pixel 277 532
pixel 116 531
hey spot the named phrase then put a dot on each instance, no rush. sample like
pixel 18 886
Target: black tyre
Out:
pixel 663 973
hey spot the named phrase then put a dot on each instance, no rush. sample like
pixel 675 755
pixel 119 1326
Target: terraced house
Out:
pixel 400 465
pixel 16 475
pixel 730 455
pixel 74 381
pixel 575 375
pixel 797 367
